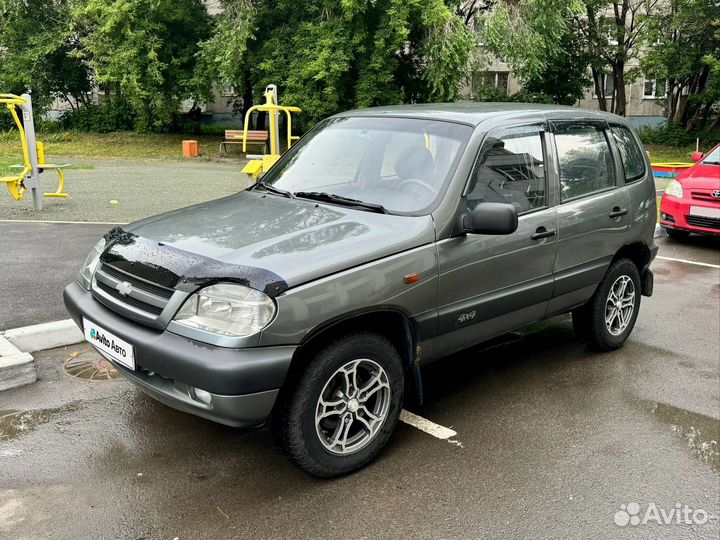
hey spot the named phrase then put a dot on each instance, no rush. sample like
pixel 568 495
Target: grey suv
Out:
pixel 385 239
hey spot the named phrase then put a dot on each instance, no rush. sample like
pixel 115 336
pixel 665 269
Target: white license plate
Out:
pixel 704 211
pixel 118 349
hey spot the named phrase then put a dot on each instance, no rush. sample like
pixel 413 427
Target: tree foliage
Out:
pixel 36 53
pixel 526 33
pixel 331 55
pixel 565 76
pixel 144 51
pixel 683 49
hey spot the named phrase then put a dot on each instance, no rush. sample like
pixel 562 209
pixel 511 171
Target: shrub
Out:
pixel 112 115
pixel 674 135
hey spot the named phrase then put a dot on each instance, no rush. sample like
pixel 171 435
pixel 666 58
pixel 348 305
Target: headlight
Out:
pixel 227 309
pixel 674 189
pixel 91 261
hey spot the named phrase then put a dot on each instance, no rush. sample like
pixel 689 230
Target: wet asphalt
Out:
pixel 127 190
pixel 39 256
pixel 553 439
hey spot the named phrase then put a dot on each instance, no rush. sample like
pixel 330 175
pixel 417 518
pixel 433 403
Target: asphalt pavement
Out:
pixel 38 260
pixel 552 441
pixel 39 254
pixel 124 190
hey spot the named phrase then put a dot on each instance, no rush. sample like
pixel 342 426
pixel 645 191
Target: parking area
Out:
pixel 551 440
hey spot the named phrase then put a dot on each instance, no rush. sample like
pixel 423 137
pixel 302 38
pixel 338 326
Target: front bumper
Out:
pixel 243 383
pixel 675 213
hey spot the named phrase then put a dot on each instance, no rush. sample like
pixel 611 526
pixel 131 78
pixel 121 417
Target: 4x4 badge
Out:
pixel 124 288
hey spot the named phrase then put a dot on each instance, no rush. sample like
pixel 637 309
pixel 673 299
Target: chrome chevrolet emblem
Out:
pixel 716 193
pixel 124 288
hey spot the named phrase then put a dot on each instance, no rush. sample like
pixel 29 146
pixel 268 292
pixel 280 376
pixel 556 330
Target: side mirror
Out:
pixel 491 218
pixel 696 156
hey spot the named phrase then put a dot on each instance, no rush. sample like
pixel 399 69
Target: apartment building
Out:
pixel 644 96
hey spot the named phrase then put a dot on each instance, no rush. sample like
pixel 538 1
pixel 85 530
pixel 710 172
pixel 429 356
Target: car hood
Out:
pixel 701 176
pixel 294 240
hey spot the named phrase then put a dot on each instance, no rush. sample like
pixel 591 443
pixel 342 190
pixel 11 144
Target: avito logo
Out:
pixel 109 343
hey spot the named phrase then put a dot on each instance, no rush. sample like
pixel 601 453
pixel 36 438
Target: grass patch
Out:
pixel 120 145
pixel 666 154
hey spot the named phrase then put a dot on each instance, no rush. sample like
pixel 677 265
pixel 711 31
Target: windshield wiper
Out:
pixel 273 189
pixel 338 199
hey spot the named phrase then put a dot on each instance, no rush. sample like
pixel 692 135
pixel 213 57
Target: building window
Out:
pixel 608 83
pixel 490 79
pixel 228 91
pixel 654 88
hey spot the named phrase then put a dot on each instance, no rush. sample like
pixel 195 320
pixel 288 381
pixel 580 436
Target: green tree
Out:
pixel 144 51
pixel 565 76
pixel 330 55
pixel 525 33
pixel 683 49
pixel 37 47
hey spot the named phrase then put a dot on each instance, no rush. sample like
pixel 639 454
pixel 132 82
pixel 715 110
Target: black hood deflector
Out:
pixel 178 269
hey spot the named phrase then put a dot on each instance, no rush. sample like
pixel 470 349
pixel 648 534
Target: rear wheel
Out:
pixel 344 406
pixel 677 234
pixel 606 321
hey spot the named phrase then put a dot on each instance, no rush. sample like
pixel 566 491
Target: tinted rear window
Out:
pixel 632 158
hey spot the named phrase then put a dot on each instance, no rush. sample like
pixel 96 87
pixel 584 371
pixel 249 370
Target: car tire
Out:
pixel 677 234
pixel 332 424
pixel 607 320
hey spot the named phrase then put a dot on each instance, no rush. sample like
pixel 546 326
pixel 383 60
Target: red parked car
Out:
pixel 691 202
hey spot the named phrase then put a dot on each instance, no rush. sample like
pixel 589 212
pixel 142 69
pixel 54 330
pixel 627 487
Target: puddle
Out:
pixel 701 433
pixel 88 365
pixel 14 424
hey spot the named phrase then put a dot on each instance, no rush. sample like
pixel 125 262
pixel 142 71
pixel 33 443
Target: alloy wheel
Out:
pixel 352 406
pixel 620 305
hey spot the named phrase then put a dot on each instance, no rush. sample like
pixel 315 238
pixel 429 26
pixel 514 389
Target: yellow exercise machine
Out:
pixel 260 164
pixel 33 155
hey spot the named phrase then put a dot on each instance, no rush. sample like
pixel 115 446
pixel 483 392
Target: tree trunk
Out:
pixel 715 124
pixel 619 90
pixel 672 99
pixel 599 88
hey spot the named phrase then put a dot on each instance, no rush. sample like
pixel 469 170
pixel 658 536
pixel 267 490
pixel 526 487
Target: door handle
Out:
pixel 542 232
pixel 618 212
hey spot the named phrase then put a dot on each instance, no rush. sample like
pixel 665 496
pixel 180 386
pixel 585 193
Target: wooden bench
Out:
pixel 236 136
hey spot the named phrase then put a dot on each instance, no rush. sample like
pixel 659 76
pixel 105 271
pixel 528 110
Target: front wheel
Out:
pixel 606 321
pixel 344 407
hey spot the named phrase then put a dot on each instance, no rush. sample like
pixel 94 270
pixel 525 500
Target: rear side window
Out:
pixel 585 160
pixel 511 169
pixel 632 157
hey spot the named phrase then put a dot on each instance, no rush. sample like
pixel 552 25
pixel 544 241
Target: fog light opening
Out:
pixel 202 395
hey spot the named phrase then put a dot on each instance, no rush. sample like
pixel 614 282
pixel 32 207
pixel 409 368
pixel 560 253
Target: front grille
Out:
pixel 155 310
pixel 139 298
pixel 708 223
pixel 704 196
pixel 137 282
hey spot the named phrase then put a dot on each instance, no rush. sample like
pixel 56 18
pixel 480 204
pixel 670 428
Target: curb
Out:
pixel 39 337
pixel 17 368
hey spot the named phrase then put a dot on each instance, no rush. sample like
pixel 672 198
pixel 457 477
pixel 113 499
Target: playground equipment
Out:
pixel 259 164
pixel 33 156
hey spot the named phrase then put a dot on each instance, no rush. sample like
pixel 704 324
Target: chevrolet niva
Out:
pixel 384 239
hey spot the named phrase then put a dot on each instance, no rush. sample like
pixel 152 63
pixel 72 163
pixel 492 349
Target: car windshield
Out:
pixel 398 165
pixel 713 158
